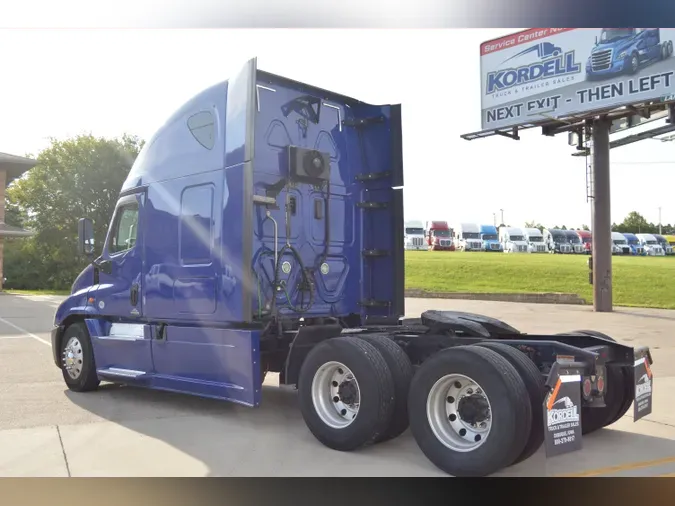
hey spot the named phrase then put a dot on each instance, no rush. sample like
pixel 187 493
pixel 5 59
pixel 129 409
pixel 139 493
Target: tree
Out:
pixel 585 227
pixel 73 178
pixel 636 223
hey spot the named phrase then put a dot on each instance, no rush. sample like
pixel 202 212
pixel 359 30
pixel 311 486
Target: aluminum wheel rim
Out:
pixel 336 395
pixel 444 413
pixel 73 357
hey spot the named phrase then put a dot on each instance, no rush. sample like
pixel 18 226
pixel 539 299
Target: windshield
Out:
pixel 620 241
pixel 471 235
pixel 418 231
pixel 574 239
pixel 517 238
pixel 586 240
pixel 612 34
pixel 440 233
pixel 536 238
pixel 558 237
pixel 651 242
pixel 489 237
pixel 633 242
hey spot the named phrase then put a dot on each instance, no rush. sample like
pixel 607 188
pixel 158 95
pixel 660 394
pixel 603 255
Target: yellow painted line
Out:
pixel 622 467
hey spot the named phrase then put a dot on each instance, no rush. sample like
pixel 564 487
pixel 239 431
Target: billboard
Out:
pixel 549 73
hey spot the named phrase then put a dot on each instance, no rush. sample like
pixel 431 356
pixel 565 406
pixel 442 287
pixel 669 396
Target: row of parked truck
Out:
pixel 439 236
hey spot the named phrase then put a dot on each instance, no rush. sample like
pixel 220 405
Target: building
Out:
pixel 11 168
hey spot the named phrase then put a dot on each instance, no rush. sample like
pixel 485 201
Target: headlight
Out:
pixel 622 54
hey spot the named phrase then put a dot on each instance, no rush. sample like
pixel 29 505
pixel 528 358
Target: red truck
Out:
pixel 586 239
pixel 439 236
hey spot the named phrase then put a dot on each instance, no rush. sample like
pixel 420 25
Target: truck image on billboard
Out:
pixel 551 73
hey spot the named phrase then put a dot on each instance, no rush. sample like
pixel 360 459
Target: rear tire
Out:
pixel 77 359
pixel 352 371
pixel 402 374
pixel 618 398
pixel 480 373
pixel 536 389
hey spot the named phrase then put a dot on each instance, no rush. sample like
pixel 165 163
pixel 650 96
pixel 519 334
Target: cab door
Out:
pixel 121 340
pixel 121 263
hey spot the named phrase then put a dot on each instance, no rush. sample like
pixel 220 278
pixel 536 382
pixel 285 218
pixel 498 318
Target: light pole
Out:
pixel 494 218
pixel 659 220
pixel 502 211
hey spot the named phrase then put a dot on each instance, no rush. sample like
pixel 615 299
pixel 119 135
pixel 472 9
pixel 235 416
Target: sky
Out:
pixel 58 83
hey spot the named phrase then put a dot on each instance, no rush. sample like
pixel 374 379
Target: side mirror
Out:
pixel 85 237
pixel 596 40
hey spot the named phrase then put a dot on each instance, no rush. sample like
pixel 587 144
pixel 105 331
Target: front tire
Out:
pixel 469 410
pixel 77 359
pixel 634 63
pixel 346 393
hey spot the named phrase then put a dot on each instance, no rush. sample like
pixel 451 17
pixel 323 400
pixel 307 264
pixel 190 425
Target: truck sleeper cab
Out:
pixel 244 243
pixel 586 240
pixel 557 241
pixel 439 236
pixel 663 242
pixel 671 241
pixel 490 238
pixel 620 244
pixel 651 245
pixel 414 236
pixel 513 240
pixel 467 237
pixel 575 242
pixel 633 242
pixel 535 240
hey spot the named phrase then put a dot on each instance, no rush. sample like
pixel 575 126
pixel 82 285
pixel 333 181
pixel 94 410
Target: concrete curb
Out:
pixel 539 298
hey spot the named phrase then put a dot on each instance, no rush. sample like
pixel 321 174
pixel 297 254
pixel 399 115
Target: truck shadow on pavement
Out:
pixel 165 434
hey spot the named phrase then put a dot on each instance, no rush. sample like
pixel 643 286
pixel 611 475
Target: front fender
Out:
pixel 76 304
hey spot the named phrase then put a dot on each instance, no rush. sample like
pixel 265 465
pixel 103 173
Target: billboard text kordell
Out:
pixel 543 73
pixel 583 99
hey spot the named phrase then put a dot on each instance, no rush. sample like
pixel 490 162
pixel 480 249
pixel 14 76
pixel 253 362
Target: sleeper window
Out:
pixel 126 228
pixel 196 225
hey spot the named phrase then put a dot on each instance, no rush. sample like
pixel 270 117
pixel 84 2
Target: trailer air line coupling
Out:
pixel 277 285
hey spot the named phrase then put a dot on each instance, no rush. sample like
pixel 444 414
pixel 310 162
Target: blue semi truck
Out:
pixel 261 230
pixel 625 50
pixel 490 238
pixel 636 248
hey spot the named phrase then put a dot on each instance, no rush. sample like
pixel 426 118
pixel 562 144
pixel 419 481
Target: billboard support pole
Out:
pixel 601 217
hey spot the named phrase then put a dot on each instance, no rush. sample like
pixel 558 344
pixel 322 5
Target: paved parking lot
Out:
pixel 45 430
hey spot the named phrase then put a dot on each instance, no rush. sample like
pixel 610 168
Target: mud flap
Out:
pixel 562 410
pixel 644 378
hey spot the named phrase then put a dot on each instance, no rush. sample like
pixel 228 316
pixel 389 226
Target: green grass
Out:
pixel 637 281
pixel 38 292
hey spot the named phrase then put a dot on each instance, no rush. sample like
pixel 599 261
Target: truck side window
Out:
pixel 125 229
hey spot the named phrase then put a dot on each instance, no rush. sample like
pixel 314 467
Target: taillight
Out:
pixel 587 388
pixel 600 384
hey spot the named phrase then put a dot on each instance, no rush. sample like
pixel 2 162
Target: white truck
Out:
pixel 651 245
pixel 513 240
pixel 467 237
pixel 620 244
pixel 535 240
pixel 413 236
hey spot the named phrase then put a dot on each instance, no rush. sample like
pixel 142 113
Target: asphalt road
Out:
pixel 46 430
